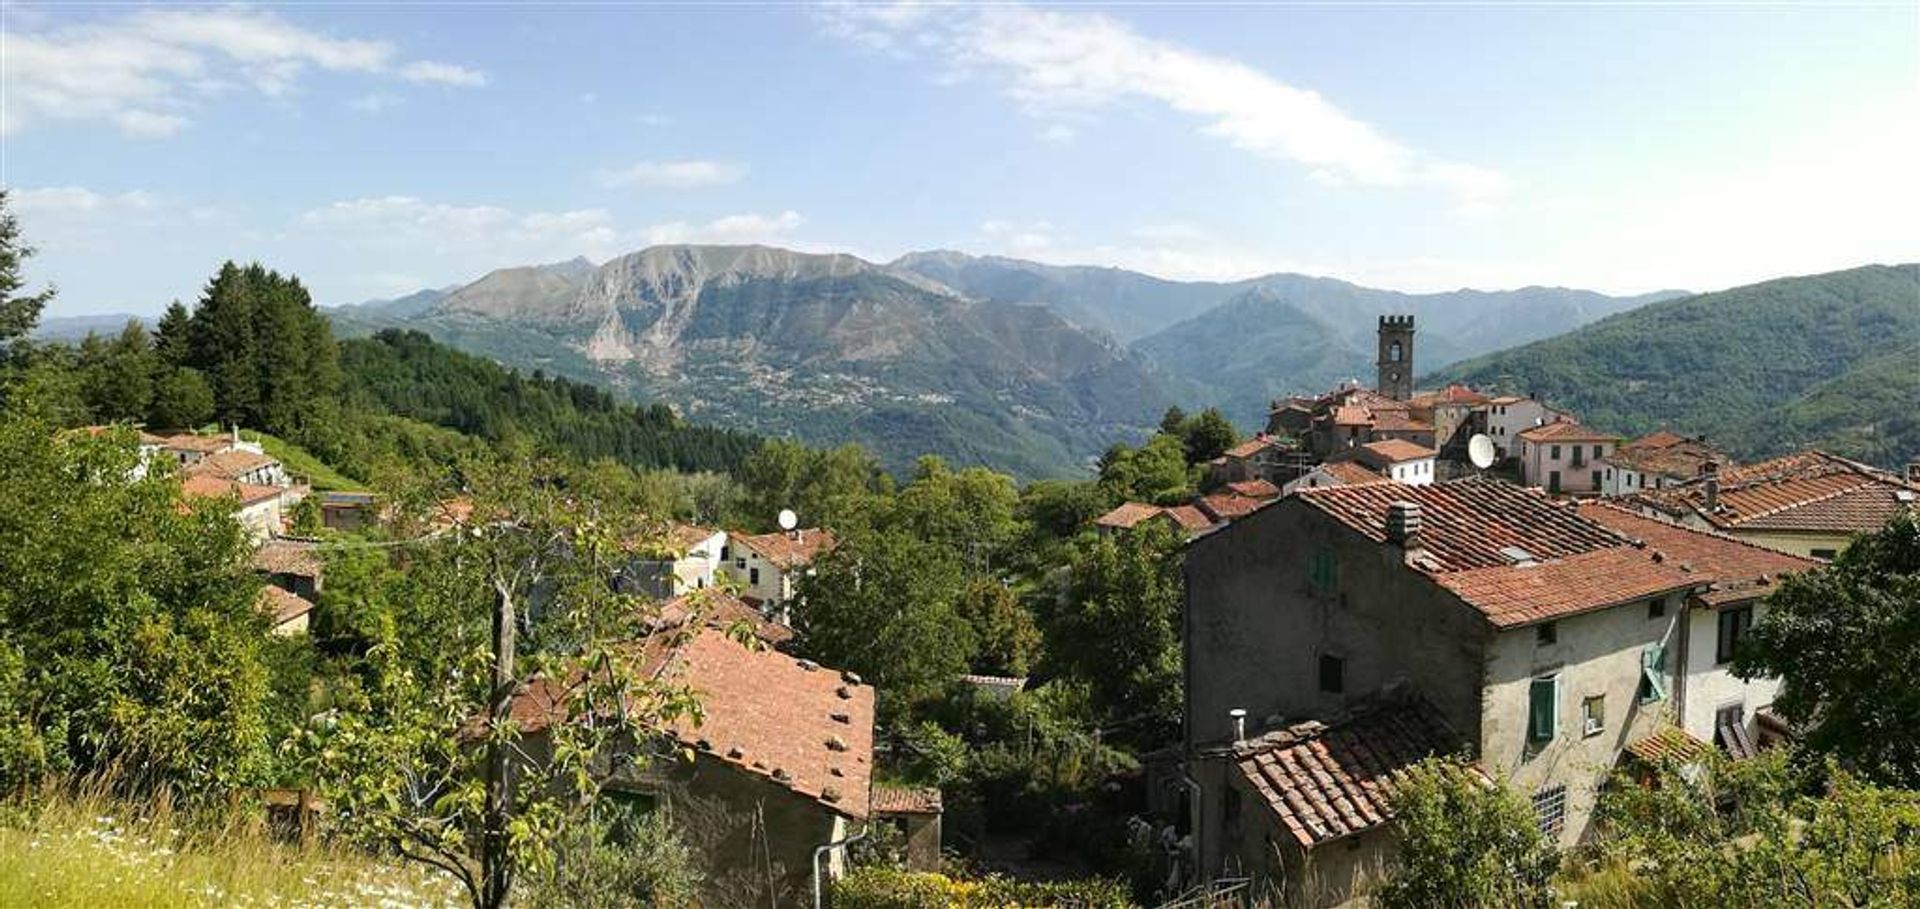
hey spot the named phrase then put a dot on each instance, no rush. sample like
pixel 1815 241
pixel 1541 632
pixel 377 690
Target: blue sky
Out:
pixel 377 149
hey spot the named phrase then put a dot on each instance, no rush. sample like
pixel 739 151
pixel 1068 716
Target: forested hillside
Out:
pixel 1828 360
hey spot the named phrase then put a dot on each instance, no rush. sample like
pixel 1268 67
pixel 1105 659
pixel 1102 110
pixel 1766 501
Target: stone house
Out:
pixel 260 509
pixel 291 565
pixel 1811 503
pixel 1456 413
pixel 767 566
pixel 1335 473
pixel 769 785
pixel 916 813
pixel 287 613
pixel 1128 515
pixel 689 558
pixel 1523 625
pixel 1564 457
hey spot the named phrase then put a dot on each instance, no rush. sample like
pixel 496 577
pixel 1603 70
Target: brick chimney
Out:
pixel 1710 484
pixel 1403 527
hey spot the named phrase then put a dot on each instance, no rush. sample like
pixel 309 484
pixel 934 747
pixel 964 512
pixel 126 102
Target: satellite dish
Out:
pixel 788 520
pixel 1480 450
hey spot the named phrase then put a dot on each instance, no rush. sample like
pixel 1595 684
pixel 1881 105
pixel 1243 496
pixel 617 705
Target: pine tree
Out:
pixel 172 338
pixel 18 314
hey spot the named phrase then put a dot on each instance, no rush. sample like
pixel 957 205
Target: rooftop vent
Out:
pixel 1517 556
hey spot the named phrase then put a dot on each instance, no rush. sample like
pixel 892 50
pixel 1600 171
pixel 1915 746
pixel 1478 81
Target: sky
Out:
pixel 374 149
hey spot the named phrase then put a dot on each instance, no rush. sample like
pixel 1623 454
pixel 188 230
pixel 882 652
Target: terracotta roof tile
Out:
pixel 1566 431
pixel 1328 781
pixel 1352 473
pixel 1737 571
pixel 721 610
pixel 1511 595
pixel 1668 743
pixel 1452 394
pixel 786 720
pixel 280 605
pixel 1226 506
pixel 1398 421
pixel 789 549
pixel 1254 489
pixel 188 441
pixel 1189 518
pixel 1128 514
pixel 230 464
pixel 294 557
pixel 204 486
pixel 1352 415
pixel 1810 491
pixel 1249 448
pixel 1667 454
pixel 891 799
pixel 1387 452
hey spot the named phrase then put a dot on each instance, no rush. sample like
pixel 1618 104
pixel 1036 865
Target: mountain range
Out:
pixel 1028 367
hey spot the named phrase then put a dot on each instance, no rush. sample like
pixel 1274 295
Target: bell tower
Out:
pixel 1396 357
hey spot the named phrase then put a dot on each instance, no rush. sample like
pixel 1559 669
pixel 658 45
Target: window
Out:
pixel 1546 633
pixel 1657 608
pixel 1393 353
pixel 1333 674
pixel 1550 808
pixel 1733 626
pixel 739 563
pixel 1553 451
pixel 1653 674
pixel 1322 573
pixel 723 553
pixel 1596 479
pixel 1543 708
pixel 1825 553
pixel 1593 715
pixel 753 577
pixel 1596 451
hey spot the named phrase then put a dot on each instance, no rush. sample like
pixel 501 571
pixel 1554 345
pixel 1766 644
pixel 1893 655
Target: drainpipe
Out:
pixel 823 849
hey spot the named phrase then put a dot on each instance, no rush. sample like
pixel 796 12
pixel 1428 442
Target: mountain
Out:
pixel 1125 304
pixel 828 348
pixel 412 304
pixel 1286 334
pixel 1829 360
pixel 74 328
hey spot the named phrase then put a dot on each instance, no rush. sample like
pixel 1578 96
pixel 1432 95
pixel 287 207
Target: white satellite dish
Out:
pixel 788 520
pixel 1480 450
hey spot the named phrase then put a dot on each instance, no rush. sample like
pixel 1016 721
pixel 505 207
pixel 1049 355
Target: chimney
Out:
pixel 1913 471
pixel 1239 717
pixel 1710 482
pixel 1403 527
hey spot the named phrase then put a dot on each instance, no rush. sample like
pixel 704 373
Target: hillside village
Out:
pixel 1380 576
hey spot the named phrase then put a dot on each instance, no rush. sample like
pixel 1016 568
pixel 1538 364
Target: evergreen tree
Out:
pixel 182 399
pixel 172 338
pixel 18 313
pixel 117 375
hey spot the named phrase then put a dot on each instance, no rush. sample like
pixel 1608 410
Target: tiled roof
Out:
pixel 1127 514
pixel 789 549
pixel 687 536
pixel 281 605
pixel 1388 452
pixel 1398 421
pixel 892 799
pixel 1352 415
pixel 1226 506
pixel 1254 489
pixel 210 487
pixel 1682 459
pixel 295 557
pixel 1659 438
pixel 1511 595
pixel 1509 552
pixel 1249 448
pixel 1465 524
pixel 1009 682
pixel 788 721
pixel 1668 743
pixel 1452 394
pixel 1325 781
pixel 1352 473
pixel 1737 571
pixel 721 610
pixel 1565 431
pixel 1811 491
pixel 188 441
pixel 1189 518
pixel 230 464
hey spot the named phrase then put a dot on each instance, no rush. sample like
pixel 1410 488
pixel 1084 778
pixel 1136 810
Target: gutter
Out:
pixel 823 849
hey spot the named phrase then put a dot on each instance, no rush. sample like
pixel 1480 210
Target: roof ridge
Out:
pixel 1743 519
pixel 1715 534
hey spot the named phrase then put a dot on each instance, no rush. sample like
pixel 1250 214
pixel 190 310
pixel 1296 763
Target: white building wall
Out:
pixel 1597 653
pixel 698 568
pixel 1413 473
pixel 1709 685
pixel 1505 422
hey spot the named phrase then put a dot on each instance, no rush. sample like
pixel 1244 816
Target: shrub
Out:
pixel 882 888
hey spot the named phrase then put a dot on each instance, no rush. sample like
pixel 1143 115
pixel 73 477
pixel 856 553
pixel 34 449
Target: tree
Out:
pixel 823 487
pixel 970 512
pixel 117 376
pixel 1845 642
pixel 1464 842
pixel 181 400
pixel 426 756
pixel 1155 472
pixel 1207 436
pixel 882 604
pixel 18 313
pixel 173 336
pixel 267 353
pixel 1756 833
pixel 1118 629
pixel 1174 421
pixel 128 634
pixel 1009 641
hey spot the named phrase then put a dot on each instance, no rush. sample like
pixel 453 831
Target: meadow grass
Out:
pixel 298 460
pixel 65 852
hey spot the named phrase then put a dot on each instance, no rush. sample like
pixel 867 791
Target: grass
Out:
pixel 302 462
pixel 93 853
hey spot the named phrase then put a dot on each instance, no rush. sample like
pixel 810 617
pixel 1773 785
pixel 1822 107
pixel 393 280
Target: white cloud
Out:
pixel 1057 133
pixel 655 120
pixel 148 71
pixel 673 174
pixel 442 74
pixel 1071 63
pixel 729 229
pixel 375 102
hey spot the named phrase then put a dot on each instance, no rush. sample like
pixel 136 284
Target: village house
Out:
pixel 1564 457
pixel 1524 626
pixel 260 509
pixel 1456 413
pixel 1811 503
pixel 915 811
pixel 1507 416
pixel 291 565
pixel 1401 462
pixel 348 511
pixel 287 613
pixel 1710 703
pixel 778 781
pixel 250 467
pixel 1656 461
pixel 1128 515
pixel 1262 457
pixel 686 559
pixel 768 565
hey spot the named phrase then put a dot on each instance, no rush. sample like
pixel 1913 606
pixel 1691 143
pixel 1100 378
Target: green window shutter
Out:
pixel 1543 709
pixel 1320 573
pixel 1653 661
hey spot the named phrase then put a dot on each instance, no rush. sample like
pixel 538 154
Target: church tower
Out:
pixel 1396 357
